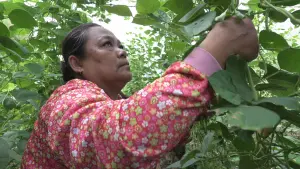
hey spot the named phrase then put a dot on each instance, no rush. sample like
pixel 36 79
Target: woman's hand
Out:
pixel 232 37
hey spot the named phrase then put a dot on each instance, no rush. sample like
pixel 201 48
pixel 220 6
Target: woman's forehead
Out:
pixel 98 32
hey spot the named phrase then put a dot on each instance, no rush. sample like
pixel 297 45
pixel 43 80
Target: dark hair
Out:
pixel 74 44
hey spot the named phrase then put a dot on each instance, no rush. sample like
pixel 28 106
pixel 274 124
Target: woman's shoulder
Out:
pixel 78 88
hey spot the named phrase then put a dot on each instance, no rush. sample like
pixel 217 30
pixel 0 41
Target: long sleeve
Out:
pixel 83 128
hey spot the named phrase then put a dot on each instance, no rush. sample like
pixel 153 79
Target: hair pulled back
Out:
pixel 74 44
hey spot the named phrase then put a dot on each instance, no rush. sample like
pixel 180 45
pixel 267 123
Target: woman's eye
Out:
pixel 107 44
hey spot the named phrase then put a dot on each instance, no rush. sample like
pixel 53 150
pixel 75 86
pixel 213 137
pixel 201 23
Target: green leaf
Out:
pixel 277 16
pixel 8 87
pixel 244 141
pixel 285 141
pixel 22 19
pixel 252 117
pixel 247 162
pixel 237 68
pixel 121 10
pixel 178 6
pixel 285 2
pixel 4 30
pixel 14 56
pixel 192 14
pixel 13 45
pixel 143 20
pixel 39 43
pixel 289 60
pixel 4 156
pixel 221 82
pixel 201 24
pixel 253 5
pixel 220 5
pixel 190 162
pixel 189 156
pixel 146 6
pixel 294 164
pixel 207 141
pixel 175 165
pixel 282 78
pixel 296 15
pixel 14 155
pixel 21 146
pixel 262 87
pixel 272 41
pixel 24 95
pixel 290 115
pixel 288 102
pixel 34 68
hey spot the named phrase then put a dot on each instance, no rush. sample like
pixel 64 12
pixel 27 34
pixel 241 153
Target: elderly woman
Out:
pixel 86 124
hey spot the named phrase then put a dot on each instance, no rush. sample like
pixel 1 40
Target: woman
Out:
pixel 85 123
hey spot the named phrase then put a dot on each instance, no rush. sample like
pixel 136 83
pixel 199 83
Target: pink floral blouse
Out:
pixel 80 127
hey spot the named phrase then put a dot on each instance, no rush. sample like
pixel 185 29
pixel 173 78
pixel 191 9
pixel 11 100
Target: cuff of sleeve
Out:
pixel 203 61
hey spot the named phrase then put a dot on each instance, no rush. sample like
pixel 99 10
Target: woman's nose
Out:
pixel 122 53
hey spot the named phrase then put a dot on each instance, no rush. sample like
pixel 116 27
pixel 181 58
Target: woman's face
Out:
pixel 105 59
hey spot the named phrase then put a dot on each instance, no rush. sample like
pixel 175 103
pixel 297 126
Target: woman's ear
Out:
pixel 75 64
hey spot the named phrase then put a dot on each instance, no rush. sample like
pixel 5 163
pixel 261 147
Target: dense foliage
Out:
pixel 257 110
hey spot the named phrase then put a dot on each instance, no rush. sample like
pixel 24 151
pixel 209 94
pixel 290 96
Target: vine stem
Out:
pixel 254 92
pixel 283 11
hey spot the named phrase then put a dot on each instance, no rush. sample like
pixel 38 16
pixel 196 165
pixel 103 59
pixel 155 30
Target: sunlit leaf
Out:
pixel 146 6
pixel 178 7
pixel 289 60
pixel 252 117
pixel 121 10
pixel 201 24
pixel 22 19
pixel 143 20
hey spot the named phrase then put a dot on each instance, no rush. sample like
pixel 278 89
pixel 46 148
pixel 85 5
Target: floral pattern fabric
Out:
pixel 80 127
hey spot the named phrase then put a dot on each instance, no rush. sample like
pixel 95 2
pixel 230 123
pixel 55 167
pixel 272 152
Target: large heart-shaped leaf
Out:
pixel 178 6
pixel 289 60
pixel 22 19
pixel 4 30
pixel 201 24
pixel 272 41
pixel 252 117
pixel 4 155
pixel 146 6
pixel 121 10
pixel 277 16
pixel 222 84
